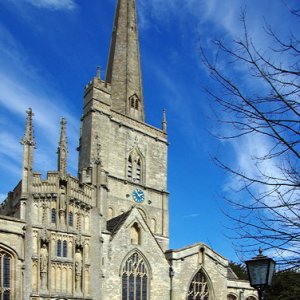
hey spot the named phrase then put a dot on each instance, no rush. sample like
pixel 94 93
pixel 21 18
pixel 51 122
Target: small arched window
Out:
pixel 135 234
pixel 137 104
pixel 231 297
pixel 251 298
pixel 5 275
pixel 53 215
pixel 132 102
pixel 135 279
pixel 198 289
pixel 65 249
pixel 71 219
pixel 58 248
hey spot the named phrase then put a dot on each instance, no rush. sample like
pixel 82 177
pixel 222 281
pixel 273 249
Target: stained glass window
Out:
pixel 5 276
pixel 135 279
pixel 198 289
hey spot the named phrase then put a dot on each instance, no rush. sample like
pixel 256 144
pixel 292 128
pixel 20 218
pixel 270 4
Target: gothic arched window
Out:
pixel 135 279
pixel 58 248
pixel 231 297
pixel 65 249
pixel 5 275
pixel 71 219
pixel 135 234
pixel 53 215
pixel 135 166
pixel 198 289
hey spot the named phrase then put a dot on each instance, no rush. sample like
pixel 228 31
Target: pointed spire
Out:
pixel 62 149
pixel 124 69
pixel 28 138
pixel 164 121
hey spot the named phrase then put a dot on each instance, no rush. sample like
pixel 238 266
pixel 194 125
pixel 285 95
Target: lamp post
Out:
pixel 260 270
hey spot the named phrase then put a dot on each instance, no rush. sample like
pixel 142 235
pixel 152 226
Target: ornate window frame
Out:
pixel 7 281
pixel 135 274
pixel 135 166
pixel 200 287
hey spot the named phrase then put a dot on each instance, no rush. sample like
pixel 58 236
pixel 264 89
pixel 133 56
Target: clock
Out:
pixel 138 195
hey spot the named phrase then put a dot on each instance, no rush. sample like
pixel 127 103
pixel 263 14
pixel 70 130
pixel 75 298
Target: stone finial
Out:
pixel 98 74
pixel 62 149
pixel 28 138
pixel 164 121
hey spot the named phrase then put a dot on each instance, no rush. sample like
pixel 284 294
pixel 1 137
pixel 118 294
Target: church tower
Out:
pixel 132 153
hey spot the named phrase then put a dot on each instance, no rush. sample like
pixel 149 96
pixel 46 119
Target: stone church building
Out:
pixel 104 235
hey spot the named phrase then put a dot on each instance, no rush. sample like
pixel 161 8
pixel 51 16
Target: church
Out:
pixel 104 235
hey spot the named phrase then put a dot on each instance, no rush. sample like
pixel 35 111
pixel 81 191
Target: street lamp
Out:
pixel 260 270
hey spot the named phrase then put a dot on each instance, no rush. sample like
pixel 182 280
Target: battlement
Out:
pixel 52 185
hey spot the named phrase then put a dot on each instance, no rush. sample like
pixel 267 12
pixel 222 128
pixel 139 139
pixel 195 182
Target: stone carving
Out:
pixel 78 269
pixel 44 266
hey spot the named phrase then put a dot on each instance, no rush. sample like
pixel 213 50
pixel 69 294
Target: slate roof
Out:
pixel 231 275
pixel 114 224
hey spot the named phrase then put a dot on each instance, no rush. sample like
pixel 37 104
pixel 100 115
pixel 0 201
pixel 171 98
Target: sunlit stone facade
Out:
pixel 104 235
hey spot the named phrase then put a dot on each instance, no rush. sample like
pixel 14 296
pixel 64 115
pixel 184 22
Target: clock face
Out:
pixel 138 195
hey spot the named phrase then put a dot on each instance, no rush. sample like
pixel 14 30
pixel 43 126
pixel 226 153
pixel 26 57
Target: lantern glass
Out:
pixel 260 270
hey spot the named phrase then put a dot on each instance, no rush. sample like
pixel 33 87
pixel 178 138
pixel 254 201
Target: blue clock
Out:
pixel 138 195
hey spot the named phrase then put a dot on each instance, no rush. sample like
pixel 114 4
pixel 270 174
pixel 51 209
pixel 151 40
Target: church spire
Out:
pixel 124 69
pixel 62 149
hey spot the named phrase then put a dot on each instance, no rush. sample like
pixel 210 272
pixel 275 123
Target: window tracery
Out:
pixel 198 289
pixel 61 248
pixel 5 275
pixel 135 279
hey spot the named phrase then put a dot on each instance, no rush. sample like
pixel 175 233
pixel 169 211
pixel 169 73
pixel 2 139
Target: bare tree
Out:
pixel 268 110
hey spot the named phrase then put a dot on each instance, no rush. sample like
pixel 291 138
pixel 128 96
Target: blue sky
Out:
pixel 49 50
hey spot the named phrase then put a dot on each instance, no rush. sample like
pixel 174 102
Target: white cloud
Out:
pixel 23 85
pixel 54 4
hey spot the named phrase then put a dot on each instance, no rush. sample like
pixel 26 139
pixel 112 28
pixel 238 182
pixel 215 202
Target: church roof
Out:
pixel 114 224
pixel 231 275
